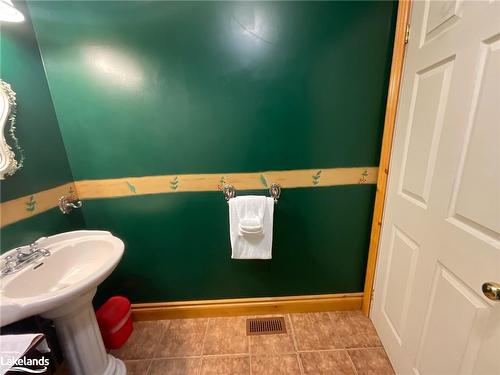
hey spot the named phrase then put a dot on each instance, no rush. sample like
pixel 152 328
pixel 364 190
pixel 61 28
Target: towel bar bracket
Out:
pixel 275 192
pixel 69 203
pixel 230 192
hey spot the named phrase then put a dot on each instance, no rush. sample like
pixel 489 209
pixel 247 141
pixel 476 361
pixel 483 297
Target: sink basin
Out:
pixel 70 265
pixel 61 287
pixel 79 261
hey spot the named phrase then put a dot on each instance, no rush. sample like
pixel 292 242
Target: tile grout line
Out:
pixel 226 355
pixel 352 363
pixel 333 324
pixel 295 345
pixel 158 346
pixel 270 354
pixel 149 366
pixel 203 345
pixel 158 343
pixel 200 366
pixel 321 350
pixel 299 362
pixel 179 357
pixel 349 323
pixel 329 313
pixel 366 348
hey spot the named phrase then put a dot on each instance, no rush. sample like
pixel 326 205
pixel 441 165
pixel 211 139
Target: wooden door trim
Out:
pixel 398 54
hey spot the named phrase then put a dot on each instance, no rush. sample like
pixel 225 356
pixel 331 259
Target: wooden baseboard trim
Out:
pixel 246 306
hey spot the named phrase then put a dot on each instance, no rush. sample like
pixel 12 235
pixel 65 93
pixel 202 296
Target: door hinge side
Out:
pixel 407 33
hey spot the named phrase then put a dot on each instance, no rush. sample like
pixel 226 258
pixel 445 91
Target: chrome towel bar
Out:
pixel 230 192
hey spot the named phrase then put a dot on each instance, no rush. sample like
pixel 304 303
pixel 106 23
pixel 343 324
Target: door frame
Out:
pixel 398 54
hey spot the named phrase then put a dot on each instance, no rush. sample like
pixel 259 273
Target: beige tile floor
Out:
pixel 342 342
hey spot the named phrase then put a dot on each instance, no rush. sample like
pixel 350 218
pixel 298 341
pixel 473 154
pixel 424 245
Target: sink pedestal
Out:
pixel 81 340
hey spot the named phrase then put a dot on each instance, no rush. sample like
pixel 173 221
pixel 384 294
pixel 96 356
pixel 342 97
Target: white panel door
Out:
pixel 440 238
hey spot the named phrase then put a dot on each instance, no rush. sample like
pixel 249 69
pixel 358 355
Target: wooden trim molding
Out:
pixel 385 155
pixel 246 306
pixel 36 203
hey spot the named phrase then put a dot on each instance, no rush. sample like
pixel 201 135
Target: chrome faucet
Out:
pixel 22 258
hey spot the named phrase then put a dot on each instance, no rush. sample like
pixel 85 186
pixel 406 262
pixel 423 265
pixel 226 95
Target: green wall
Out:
pixel 46 163
pixel 178 245
pixel 193 91
pixel 147 88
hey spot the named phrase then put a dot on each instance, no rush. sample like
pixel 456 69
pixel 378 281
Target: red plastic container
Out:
pixel 115 322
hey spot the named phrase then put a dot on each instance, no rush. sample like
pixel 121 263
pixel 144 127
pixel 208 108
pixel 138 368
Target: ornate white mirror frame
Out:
pixel 8 163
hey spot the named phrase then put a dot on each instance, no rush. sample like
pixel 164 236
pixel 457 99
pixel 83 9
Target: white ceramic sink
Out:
pixel 61 287
pixel 71 266
pixel 79 261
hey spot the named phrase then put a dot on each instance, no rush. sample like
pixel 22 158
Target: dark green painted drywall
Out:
pixel 145 88
pixel 46 224
pixel 46 163
pixel 194 87
pixel 178 245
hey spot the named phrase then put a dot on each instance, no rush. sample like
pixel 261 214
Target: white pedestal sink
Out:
pixel 61 287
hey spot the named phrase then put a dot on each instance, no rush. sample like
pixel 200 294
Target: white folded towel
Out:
pixel 251 227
